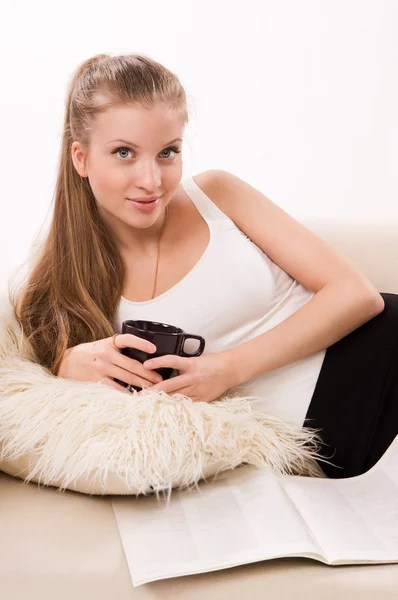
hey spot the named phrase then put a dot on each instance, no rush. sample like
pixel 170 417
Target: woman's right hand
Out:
pixel 101 361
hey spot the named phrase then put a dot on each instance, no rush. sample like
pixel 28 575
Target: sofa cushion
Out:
pixel 67 545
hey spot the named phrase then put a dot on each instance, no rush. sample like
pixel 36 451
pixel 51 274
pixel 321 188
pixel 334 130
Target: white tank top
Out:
pixel 234 293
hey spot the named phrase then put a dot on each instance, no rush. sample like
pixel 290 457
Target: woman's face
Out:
pixel 146 163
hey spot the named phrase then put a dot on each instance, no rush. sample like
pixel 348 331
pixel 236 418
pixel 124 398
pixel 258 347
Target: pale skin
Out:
pixel 344 298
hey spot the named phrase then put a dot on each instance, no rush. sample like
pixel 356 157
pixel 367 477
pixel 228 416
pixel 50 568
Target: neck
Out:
pixel 145 241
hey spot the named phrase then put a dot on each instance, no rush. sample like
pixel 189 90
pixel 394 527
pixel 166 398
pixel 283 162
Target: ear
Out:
pixel 79 159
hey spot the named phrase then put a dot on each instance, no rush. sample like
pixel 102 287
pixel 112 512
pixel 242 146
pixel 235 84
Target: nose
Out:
pixel 147 176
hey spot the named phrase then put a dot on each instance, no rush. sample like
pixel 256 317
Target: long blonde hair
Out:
pixel 74 286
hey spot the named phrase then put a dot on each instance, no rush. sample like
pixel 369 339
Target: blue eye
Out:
pixel 121 149
pixel 124 149
pixel 173 149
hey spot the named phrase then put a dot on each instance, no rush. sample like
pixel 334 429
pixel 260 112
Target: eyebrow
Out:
pixel 135 145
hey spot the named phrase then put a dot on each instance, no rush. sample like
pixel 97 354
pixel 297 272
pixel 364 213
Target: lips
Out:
pixel 144 205
pixel 144 200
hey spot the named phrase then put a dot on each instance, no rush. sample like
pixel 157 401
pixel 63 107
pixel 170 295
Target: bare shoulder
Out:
pixel 209 182
pixel 225 190
pixel 292 246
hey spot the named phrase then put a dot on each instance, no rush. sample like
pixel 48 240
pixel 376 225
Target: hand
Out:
pixel 203 378
pixel 101 361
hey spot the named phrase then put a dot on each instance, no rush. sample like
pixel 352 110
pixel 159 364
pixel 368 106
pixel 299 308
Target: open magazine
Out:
pixel 248 515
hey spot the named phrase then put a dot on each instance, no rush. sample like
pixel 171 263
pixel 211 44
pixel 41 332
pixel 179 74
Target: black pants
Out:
pixel 355 401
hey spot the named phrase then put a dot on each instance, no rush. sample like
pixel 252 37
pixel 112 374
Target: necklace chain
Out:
pixel 157 257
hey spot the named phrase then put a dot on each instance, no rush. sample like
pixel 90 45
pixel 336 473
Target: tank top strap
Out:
pixel 205 206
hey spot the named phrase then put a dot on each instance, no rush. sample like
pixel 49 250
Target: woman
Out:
pixel 282 313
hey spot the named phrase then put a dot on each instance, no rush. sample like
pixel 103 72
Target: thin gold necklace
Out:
pixel 157 258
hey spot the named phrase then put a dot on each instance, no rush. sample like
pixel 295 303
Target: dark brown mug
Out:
pixel 168 339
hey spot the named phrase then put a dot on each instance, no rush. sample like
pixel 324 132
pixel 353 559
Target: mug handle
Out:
pixel 189 336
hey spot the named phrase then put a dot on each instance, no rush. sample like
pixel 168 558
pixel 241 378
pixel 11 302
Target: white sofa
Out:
pixel 66 546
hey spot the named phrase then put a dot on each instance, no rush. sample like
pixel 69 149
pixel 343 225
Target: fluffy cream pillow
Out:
pixel 94 439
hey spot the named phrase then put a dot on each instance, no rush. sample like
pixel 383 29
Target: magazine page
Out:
pixel 241 516
pixel 248 515
pixel 354 519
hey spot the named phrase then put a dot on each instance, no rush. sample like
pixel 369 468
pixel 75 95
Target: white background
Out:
pixel 299 98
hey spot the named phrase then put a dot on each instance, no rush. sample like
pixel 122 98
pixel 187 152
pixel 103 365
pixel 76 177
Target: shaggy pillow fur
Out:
pixel 94 439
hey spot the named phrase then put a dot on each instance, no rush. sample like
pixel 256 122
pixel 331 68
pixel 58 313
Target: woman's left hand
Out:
pixel 202 378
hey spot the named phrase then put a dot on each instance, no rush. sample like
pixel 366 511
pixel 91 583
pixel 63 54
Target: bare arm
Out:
pixel 344 298
pixel 334 311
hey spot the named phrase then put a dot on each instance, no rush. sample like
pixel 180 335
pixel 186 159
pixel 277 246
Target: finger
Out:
pixel 129 377
pixel 128 340
pixel 171 385
pixel 168 360
pixel 184 391
pixel 111 383
pixel 132 366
